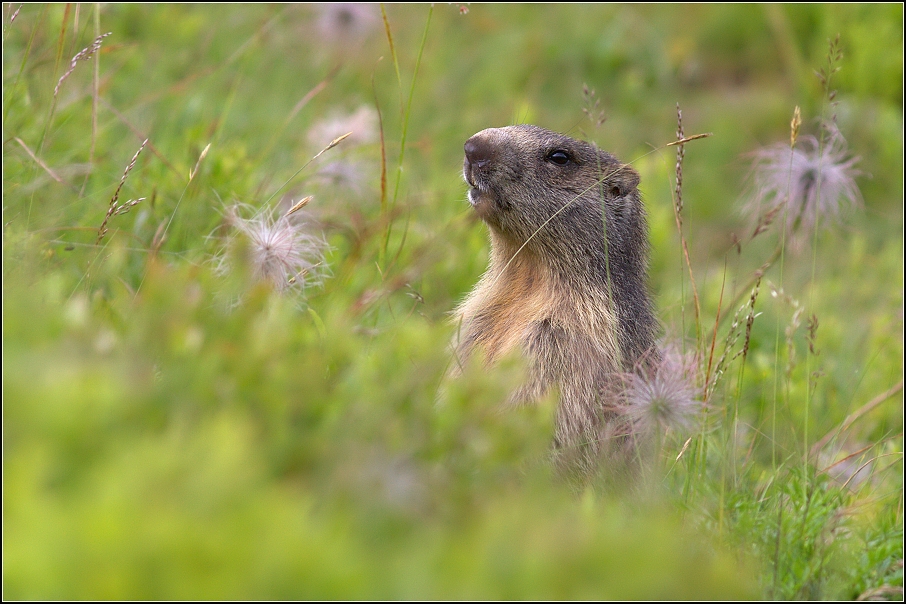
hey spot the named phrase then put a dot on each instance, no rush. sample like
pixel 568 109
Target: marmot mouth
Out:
pixel 479 193
pixel 475 188
pixel 474 195
pixel 467 174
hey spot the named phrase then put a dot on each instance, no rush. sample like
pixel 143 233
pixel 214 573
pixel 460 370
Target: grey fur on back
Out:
pixel 567 280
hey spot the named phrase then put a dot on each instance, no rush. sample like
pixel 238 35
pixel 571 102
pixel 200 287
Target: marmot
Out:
pixel 567 280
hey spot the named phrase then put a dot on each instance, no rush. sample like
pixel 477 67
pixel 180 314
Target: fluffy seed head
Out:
pixel 345 26
pixel 664 396
pixel 281 249
pixel 808 182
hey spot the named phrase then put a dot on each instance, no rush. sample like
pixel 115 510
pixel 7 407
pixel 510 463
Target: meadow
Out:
pixel 233 236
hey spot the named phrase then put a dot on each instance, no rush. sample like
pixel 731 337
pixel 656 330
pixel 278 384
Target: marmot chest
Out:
pixel 508 311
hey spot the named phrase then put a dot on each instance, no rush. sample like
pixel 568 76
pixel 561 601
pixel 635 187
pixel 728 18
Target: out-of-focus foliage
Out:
pixel 174 431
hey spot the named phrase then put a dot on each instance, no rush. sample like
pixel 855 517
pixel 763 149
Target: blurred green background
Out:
pixel 173 432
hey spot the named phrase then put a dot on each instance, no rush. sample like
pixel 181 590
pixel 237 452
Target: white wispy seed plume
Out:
pixel 282 250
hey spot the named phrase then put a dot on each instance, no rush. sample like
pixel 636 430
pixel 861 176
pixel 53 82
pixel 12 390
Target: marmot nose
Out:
pixel 479 151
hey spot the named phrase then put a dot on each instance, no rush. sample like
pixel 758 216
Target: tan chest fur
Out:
pixel 505 308
pixel 513 299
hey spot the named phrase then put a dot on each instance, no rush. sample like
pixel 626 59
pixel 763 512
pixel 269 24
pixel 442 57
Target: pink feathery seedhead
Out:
pixel 806 183
pixel 281 250
pixel 344 26
pixel 664 396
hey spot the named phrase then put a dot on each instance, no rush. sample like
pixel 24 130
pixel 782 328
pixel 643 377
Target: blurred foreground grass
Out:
pixel 171 431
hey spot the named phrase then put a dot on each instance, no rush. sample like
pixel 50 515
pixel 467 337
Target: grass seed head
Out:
pixel 83 55
pixel 114 208
pixel 795 123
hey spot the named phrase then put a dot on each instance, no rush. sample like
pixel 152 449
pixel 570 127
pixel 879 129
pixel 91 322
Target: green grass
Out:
pixel 173 432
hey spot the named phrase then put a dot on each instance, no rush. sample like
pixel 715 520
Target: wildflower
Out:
pixel 809 182
pixel 664 396
pixel 280 249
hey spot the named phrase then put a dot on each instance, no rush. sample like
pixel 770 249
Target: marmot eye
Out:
pixel 559 157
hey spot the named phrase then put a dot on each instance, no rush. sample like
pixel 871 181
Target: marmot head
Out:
pixel 546 190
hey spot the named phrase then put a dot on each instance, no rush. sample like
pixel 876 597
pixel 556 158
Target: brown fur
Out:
pixel 566 283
